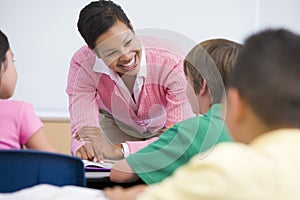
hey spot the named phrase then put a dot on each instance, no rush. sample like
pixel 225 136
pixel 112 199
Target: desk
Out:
pixel 100 180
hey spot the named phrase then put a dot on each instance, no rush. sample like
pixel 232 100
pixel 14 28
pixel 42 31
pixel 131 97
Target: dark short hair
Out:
pixel 267 76
pixel 97 17
pixel 4 46
pixel 212 60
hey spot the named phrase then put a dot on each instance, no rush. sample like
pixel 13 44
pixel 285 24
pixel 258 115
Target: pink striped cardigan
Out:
pixel 162 100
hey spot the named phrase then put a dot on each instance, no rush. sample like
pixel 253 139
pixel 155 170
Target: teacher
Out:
pixel 121 87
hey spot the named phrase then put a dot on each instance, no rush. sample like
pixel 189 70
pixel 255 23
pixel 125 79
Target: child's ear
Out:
pixel 203 88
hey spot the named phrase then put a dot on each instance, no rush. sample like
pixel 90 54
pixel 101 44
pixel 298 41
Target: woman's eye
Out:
pixel 128 42
pixel 110 54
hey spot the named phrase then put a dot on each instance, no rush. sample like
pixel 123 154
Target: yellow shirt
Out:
pixel 267 169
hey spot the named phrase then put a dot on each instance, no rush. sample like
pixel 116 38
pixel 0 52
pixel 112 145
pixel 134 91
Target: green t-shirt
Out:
pixel 178 144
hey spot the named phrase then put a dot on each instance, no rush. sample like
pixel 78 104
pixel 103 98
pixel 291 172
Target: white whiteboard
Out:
pixel 44 36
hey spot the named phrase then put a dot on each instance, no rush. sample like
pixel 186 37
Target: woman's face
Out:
pixel 8 76
pixel 119 49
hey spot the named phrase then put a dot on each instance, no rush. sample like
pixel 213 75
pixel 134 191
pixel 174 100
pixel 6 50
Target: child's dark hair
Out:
pixel 4 46
pixel 267 76
pixel 212 60
pixel 97 17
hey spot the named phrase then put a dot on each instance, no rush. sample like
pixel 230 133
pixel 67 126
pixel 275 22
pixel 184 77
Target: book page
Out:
pixel 107 164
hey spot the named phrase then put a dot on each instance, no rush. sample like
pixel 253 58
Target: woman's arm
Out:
pixel 178 107
pixel 82 92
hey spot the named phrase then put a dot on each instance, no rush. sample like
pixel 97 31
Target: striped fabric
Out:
pixel 162 99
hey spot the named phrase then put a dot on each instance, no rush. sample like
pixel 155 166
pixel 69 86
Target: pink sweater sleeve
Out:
pixel 82 92
pixel 178 107
pixel 134 146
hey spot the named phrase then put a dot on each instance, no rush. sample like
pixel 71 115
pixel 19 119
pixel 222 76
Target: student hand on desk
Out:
pixel 96 146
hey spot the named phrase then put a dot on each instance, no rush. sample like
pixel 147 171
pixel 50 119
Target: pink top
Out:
pixel 161 101
pixel 18 123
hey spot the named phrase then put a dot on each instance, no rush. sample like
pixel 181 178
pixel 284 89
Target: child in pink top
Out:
pixel 20 127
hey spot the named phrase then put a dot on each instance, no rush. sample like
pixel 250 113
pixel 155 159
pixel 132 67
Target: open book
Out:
pixel 105 164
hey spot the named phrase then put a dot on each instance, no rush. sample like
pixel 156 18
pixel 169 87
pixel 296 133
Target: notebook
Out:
pixel 104 165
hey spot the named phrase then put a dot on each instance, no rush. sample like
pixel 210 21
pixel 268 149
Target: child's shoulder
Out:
pixel 16 104
pixel 14 109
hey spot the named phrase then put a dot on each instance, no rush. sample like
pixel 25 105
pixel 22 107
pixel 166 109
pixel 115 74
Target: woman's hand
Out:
pixel 96 146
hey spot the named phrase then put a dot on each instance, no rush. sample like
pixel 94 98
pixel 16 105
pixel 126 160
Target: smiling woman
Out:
pixel 138 85
pixel 120 49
